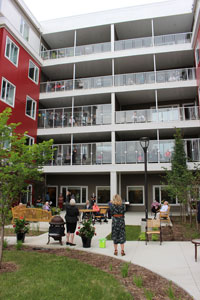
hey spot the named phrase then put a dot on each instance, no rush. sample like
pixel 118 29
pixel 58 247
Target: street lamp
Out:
pixel 144 143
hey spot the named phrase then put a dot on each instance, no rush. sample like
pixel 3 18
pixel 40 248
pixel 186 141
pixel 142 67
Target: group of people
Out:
pixel 117 211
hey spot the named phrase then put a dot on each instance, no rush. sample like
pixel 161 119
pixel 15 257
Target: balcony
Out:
pixel 168 114
pixel 162 40
pixel 130 152
pixel 76 51
pixel 79 116
pixel 82 154
pixel 129 79
pixel 127 152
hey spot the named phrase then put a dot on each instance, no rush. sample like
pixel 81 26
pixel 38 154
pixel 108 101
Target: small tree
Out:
pixel 194 194
pixel 20 164
pixel 178 178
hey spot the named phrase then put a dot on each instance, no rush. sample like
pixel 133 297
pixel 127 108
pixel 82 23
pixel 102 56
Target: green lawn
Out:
pixel 50 277
pixel 132 233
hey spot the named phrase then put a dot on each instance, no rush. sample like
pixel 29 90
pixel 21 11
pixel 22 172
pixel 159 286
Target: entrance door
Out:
pixel 52 190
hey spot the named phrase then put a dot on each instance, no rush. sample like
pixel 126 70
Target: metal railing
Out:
pixel 130 152
pixel 167 114
pixel 79 116
pixel 161 40
pixel 127 152
pixel 119 80
pixel 76 51
pixel 82 154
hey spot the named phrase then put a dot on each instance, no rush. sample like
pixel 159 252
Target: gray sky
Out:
pixel 52 9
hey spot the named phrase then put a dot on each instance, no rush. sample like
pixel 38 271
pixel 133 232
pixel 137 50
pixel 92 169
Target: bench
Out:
pixel 31 214
pixel 164 216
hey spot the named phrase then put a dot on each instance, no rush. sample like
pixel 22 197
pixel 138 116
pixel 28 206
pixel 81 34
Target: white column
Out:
pixel 113 146
pixel 74 75
pixel 113 108
pixel 71 147
pixel 152 31
pixel 120 184
pixel 74 42
pixel 112 35
pixel 113 183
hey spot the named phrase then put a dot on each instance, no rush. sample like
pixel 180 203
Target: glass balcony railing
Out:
pixel 80 116
pixel 76 51
pixel 130 152
pixel 119 80
pixel 167 114
pixel 162 40
pixel 127 152
pixel 82 154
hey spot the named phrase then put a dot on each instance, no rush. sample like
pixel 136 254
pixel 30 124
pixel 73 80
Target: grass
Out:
pixel 137 280
pixel 132 233
pixel 48 277
pixel 34 232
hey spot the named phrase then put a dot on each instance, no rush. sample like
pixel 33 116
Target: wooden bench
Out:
pixel 31 214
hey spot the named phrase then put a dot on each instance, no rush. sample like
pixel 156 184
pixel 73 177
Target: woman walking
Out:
pixel 118 224
pixel 71 218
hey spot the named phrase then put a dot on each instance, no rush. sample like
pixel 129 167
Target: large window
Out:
pixel 80 192
pixel 135 195
pixel 7 92
pixel 33 72
pixel 161 195
pixel 31 107
pixel 24 29
pixel 11 51
pixel 103 194
pixel 29 140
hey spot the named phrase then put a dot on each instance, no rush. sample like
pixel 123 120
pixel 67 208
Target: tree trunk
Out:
pixel 1 243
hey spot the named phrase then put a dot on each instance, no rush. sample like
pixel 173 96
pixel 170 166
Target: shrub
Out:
pixel 142 236
pixel 124 270
pixel 148 294
pixel 5 244
pixel 19 245
pixel 138 281
pixel 55 211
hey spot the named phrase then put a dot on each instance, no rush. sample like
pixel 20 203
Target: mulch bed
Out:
pixel 151 281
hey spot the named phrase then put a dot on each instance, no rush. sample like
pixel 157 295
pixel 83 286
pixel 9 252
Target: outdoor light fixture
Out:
pixel 144 142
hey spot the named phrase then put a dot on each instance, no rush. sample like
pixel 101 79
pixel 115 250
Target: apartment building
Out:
pixel 20 64
pixel 107 79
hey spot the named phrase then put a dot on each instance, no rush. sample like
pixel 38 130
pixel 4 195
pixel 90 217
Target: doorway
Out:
pixel 52 190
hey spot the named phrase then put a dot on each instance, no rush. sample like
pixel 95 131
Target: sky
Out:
pixel 51 9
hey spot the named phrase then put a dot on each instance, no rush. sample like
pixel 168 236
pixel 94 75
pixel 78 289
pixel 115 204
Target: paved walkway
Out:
pixel 172 260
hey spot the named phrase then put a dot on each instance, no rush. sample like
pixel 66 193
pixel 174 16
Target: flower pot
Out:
pixel 20 236
pixel 86 242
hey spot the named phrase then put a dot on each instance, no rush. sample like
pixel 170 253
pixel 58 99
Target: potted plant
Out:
pixel 21 227
pixel 86 232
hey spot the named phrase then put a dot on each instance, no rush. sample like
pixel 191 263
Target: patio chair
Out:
pixel 102 215
pixel 153 227
pixel 164 216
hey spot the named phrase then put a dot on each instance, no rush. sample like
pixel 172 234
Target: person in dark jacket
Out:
pixel 71 218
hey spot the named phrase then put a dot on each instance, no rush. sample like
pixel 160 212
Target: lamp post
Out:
pixel 144 143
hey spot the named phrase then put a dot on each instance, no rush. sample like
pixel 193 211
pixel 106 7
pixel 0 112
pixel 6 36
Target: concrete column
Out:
pixel 120 184
pixel 113 108
pixel 113 146
pixel 152 30
pixel 112 37
pixel 113 183
pixel 74 42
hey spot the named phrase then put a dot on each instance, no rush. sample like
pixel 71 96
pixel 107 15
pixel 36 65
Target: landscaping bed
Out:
pixel 139 282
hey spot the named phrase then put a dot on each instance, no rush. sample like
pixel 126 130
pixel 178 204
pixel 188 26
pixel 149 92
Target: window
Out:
pixel 24 29
pixel 11 51
pixel 30 107
pixel 29 140
pixel 33 72
pixel 160 195
pixel 197 55
pixel 103 194
pixel 80 193
pixel 42 48
pixel 135 195
pixel 26 198
pixel 7 92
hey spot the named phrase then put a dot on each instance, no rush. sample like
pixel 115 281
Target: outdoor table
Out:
pixel 90 211
pixel 196 243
